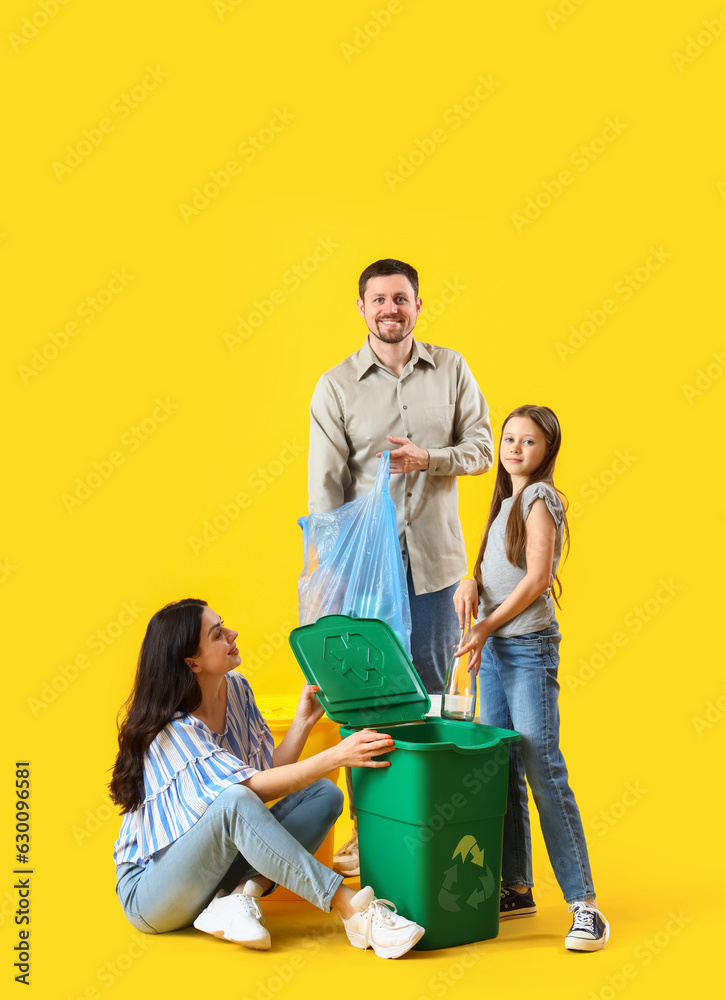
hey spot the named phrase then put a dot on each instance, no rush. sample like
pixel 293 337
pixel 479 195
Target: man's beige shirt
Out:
pixel 437 404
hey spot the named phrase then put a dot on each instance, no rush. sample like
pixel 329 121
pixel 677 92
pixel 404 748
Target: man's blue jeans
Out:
pixel 434 633
pixel 237 837
pixel 519 690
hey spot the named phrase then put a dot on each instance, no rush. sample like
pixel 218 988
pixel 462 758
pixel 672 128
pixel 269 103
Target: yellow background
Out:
pixel 350 96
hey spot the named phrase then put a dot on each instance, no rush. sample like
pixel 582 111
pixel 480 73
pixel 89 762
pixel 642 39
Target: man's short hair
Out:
pixel 389 265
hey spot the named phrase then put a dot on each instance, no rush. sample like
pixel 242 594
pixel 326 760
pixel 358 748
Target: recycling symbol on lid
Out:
pixel 353 653
pixel 483 882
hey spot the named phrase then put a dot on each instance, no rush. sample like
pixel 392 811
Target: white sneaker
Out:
pixel 237 917
pixel 346 861
pixel 589 930
pixel 377 925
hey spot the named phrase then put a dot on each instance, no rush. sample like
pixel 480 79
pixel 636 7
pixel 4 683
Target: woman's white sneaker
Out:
pixel 377 925
pixel 237 917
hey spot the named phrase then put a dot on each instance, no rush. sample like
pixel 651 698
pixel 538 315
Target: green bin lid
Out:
pixel 364 674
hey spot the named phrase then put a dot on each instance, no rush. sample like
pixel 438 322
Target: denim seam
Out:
pixel 332 890
pixel 519 833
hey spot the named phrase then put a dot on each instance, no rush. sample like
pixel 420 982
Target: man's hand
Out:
pixel 408 458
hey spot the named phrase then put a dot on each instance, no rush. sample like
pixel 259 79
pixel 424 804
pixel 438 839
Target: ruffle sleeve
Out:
pixel 550 497
pixel 184 773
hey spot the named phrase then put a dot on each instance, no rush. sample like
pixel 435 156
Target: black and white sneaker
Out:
pixel 589 931
pixel 516 904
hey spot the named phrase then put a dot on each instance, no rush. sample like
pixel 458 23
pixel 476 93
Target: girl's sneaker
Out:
pixel 590 929
pixel 516 904
pixel 377 925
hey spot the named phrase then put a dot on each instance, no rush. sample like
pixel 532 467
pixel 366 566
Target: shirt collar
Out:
pixel 366 357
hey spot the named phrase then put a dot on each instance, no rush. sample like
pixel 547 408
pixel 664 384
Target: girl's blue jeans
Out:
pixel 237 837
pixel 519 690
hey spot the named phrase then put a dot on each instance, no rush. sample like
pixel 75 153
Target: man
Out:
pixel 423 404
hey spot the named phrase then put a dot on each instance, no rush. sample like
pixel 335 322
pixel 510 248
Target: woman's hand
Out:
pixel 309 710
pixel 474 643
pixel 289 775
pixel 358 749
pixel 465 601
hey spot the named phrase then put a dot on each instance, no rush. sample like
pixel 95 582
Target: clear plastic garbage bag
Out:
pixel 353 564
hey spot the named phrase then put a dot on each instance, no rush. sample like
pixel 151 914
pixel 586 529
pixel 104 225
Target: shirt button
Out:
pixel 410 494
pixel 407 524
pixel 404 406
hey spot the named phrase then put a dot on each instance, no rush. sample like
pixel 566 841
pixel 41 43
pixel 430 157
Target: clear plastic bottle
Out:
pixel 459 690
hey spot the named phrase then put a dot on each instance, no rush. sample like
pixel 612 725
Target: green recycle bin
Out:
pixel 431 825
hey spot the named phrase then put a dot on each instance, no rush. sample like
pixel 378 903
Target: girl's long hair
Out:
pixel 546 420
pixel 164 684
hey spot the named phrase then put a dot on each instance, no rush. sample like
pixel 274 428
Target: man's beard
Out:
pixel 390 336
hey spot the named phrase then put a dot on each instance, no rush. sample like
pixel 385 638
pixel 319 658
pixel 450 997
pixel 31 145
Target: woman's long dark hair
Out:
pixel 545 419
pixel 164 685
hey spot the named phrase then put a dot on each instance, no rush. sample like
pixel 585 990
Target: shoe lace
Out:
pixel 378 911
pixel 584 918
pixel 249 904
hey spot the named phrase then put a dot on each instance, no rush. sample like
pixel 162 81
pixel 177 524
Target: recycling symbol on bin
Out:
pixel 483 884
pixel 353 653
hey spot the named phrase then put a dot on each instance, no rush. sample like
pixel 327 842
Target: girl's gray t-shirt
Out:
pixel 500 576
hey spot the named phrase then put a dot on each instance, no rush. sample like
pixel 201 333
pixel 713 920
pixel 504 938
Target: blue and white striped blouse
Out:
pixel 187 766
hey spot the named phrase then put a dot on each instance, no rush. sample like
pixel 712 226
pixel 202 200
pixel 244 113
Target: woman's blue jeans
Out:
pixel 519 690
pixel 237 837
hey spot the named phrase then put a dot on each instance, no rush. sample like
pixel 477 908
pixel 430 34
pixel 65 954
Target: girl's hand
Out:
pixel 474 643
pixel 465 601
pixel 358 749
pixel 309 710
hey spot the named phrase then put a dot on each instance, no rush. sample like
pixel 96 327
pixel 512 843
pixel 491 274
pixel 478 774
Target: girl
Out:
pixel 195 765
pixel 511 594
